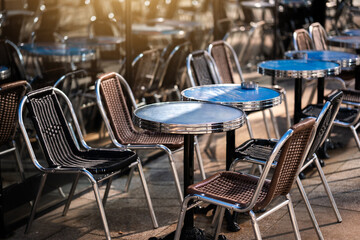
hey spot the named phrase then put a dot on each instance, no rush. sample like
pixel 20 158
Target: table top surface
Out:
pixel 234 95
pixel 94 41
pixel 157 29
pixel 298 68
pixel 352 32
pixel 55 49
pixel 263 4
pixel 175 23
pixel 344 41
pixel 188 117
pixel 343 58
pixel 4 72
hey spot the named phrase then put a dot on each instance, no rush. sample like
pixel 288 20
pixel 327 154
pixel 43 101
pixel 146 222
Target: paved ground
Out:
pixel 129 219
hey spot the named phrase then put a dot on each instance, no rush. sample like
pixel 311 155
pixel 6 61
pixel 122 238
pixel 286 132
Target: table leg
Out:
pixel 320 90
pixel 357 77
pixel 297 102
pixel 230 148
pixel 188 175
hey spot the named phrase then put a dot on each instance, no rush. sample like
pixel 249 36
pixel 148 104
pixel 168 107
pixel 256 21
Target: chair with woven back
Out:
pixel 10 96
pixel 110 93
pixel 257 151
pixel 226 62
pixel 247 193
pixel 64 155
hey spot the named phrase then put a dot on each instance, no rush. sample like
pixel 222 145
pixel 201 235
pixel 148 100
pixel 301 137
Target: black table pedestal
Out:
pixel 297 102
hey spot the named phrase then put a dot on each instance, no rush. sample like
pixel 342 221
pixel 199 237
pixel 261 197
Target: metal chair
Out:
pixel 347 117
pixel 144 66
pixel 318 36
pixel 225 57
pixel 247 193
pixel 257 151
pixel 10 96
pixel 64 155
pixel 110 93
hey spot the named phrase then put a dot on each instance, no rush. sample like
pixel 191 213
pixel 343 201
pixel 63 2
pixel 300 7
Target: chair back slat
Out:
pixel 302 40
pixel 51 126
pixel 10 96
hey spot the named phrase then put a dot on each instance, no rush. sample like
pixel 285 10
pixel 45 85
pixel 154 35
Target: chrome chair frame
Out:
pixel 143 146
pixel 78 171
pixel 237 208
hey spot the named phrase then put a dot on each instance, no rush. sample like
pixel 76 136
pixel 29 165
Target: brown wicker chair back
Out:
pixel 302 40
pixel 201 69
pixel 291 159
pixel 223 62
pixel 10 96
pixel 318 36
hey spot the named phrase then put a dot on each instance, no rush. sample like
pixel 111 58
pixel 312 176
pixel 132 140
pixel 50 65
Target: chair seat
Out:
pixel 346 115
pixel 98 161
pixel 351 95
pixel 256 148
pixel 230 187
pixel 171 141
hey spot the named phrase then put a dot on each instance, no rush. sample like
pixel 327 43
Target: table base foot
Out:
pixel 191 234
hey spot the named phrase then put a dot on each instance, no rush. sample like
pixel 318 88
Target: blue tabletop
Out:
pixel 3 69
pixel 95 41
pixel 235 95
pixel 343 58
pixel 51 49
pixel 352 32
pixel 344 41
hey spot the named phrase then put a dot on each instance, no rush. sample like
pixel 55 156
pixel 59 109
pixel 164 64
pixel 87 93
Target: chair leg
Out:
pixel 199 158
pixel 175 175
pixel 71 194
pixel 18 162
pixel 147 195
pixel 275 125
pixel 255 225
pixel 266 124
pixel 107 190
pixel 215 217
pixel 293 218
pixel 309 208
pixel 248 125
pixel 128 182
pixel 218 228
pixel 357 140
pixel 181 218
pixel 327 189
pixel 101 209
pixel 38 195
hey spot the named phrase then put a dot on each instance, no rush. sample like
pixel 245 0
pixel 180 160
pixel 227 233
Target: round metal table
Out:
pixel 154 30
pixel 189 119
pixel 59 52
pixel 257 4
pixel 235 95
pixel 4 72
pixel 298 69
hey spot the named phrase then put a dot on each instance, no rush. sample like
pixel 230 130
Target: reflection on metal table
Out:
pixel 351 32
pixel 58 52
pixel 107 43
pixel 188 119
pixel 158 29
pixel 4 72
pixel 185 25
pixel 298 69
pixel 247 99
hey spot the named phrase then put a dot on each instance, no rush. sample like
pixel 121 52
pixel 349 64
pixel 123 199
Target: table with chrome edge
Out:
pixel 189 119
pixel 298 69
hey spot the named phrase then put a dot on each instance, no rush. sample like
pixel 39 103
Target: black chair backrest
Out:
pixel 201 69
pixel 176 61
pixel 326 121
pixel 10 58
pixel 51 127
